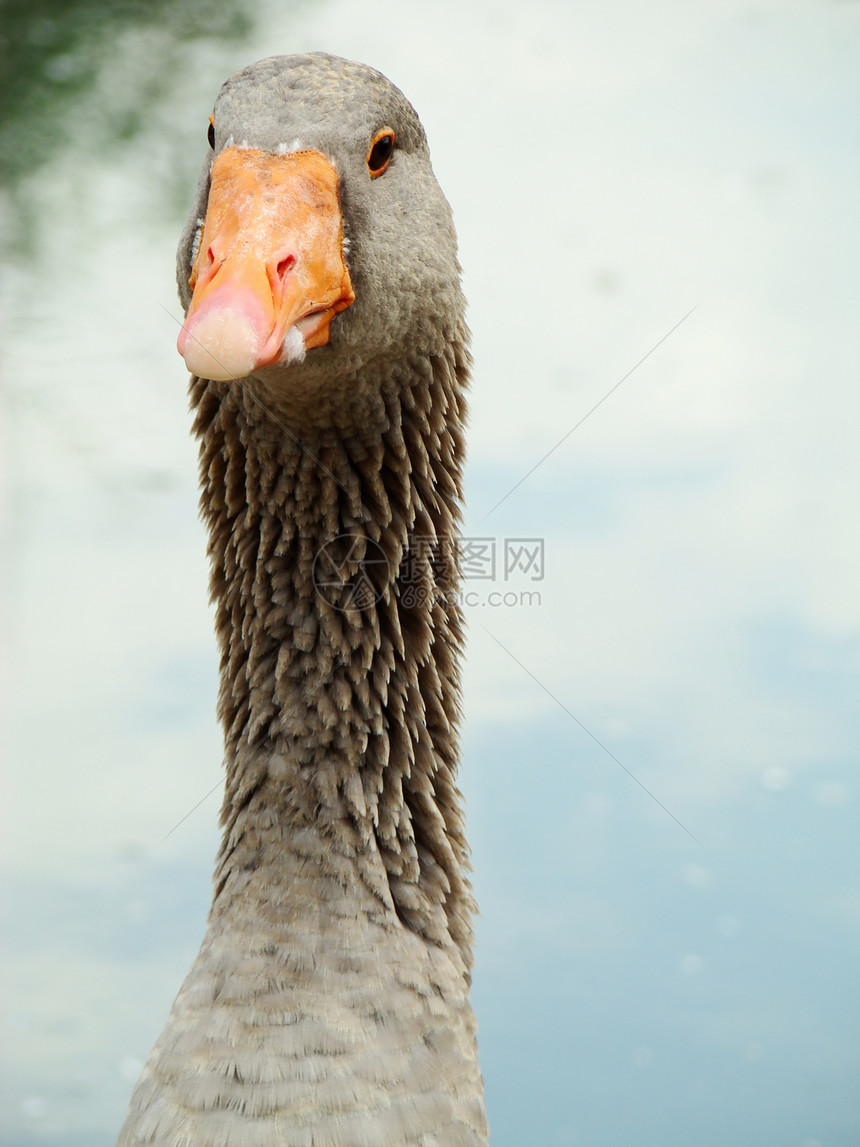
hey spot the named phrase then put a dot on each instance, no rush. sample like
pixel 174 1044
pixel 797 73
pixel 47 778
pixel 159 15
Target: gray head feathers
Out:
pixel 398 229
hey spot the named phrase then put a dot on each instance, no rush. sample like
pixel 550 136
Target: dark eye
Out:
pixel 381 148
pixel 211 133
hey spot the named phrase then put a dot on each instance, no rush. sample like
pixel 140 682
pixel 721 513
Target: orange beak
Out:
pixel 269 275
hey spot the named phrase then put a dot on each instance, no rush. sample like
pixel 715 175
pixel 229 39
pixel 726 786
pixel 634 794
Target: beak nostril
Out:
pixel 285 265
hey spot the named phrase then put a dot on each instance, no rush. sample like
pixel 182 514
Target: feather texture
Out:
pixel 328 1005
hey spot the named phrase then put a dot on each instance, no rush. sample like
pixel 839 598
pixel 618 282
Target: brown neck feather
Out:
pixel 334 573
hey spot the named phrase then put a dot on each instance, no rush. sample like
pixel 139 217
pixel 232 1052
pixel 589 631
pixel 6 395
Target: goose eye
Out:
pixel 211 133
pixel 381 148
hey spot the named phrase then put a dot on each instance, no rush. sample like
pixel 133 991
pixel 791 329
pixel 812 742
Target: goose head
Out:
pixel 320 252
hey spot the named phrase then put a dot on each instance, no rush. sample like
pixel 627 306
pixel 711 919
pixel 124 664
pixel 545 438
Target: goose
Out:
pixel 324 332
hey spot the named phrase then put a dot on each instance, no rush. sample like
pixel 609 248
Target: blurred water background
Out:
pixel 611 166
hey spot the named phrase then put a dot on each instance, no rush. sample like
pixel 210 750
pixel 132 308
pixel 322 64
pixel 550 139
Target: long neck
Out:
pixel 334 575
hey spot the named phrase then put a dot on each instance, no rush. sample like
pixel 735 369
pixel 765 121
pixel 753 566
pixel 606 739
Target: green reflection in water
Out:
pixel 56 50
